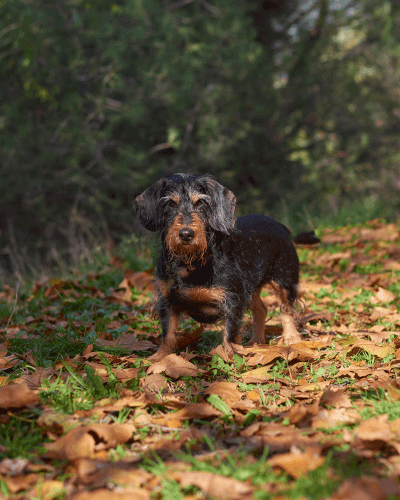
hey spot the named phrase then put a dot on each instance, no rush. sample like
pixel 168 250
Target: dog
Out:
pixel 211 268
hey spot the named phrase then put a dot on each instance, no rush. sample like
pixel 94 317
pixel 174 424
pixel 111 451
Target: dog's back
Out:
pixel 263 225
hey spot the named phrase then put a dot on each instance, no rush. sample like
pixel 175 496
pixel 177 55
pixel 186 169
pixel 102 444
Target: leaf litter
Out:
pixel 85 415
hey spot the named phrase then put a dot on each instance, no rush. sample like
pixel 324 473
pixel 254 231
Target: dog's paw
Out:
pixel 292 337
pixel 162 352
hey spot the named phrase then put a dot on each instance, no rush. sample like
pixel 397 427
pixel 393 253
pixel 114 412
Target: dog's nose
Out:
pixel 186 234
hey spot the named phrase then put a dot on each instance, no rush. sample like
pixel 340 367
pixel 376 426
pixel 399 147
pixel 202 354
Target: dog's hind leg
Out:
pixel 259 311
pixel 288 295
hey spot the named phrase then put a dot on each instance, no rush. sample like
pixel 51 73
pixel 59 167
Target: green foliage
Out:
pixel 77 392
pixel 20 437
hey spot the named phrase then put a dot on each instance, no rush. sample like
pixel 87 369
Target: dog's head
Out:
pixel 184 208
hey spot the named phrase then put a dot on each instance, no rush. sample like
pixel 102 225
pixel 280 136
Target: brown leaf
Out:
pixel 300 415
pixel 374 429
pixel 381 351
pixel 58 423
pixel 315 386
pixel 368 488
pixel 379 312
pixel 143 280
pixel 99 473
pixel 105 494
pixel 220 351
pixel 355 371
pixel 336 397
pixel 191 411
pixel 185 338
pixel 384 295
pixel 331 418
pixel 215 485
pixel 175 366
pixel 128 341
pixel 266 354
pixel 86 440
pixel 155 382
pixel 300 352
pixel 7 361
pixel 374 435
pixel 386 233
pixel 21 482
pixel 297 463
pixel 257 376
pixel 17 396
pixel 225 390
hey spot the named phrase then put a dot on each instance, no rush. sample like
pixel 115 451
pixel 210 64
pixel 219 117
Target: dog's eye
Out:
pixel 199 203
pixel 172 203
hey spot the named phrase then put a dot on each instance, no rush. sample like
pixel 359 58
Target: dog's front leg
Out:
pixel 232 331
pixel 169 318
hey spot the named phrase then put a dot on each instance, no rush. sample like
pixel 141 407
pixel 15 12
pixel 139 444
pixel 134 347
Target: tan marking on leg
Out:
pixel 290 334
pixel 227 345
pixel 259 313
pixel 162 287
pixel 169 342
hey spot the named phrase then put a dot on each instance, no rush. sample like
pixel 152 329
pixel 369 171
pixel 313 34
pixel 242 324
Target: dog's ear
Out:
pixel 147 206
pixel 223 204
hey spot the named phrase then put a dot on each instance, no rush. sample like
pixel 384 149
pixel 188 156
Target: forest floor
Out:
pixel 85 415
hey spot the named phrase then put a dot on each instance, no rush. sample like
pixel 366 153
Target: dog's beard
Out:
pixel 191 251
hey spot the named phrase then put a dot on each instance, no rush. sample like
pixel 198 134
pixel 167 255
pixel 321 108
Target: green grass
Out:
pixel 21 437
pixel 381 404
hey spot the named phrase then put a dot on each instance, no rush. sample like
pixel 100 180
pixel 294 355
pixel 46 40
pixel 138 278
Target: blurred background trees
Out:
pixel 292 104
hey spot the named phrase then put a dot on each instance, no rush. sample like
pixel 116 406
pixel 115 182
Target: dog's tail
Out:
pixel 306 239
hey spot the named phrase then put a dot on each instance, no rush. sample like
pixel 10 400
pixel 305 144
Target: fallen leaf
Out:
pixel 225 390
pixel 257 376
pixel 325 419
pixel 154 382
pixel 191 411
pixel 297 463
pixel 387 233
pixel 86 440
pixel 21 482
pixel 106 494
pixel 266 354
pixel 384 295
pixel 336 397
pixel 17 396
pixel 368 488
pixel 215 485
pixel 175 366
pixel 128 341
pixel 381 351
pixel 314 386
pixel 99 473
pixel 374 435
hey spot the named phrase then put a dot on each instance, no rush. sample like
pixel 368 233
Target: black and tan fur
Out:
pixel 211 268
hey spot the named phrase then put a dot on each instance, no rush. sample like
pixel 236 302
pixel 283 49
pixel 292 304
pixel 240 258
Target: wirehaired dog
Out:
pixel 211 269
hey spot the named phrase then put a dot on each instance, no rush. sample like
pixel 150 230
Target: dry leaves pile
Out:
pixel 318 419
